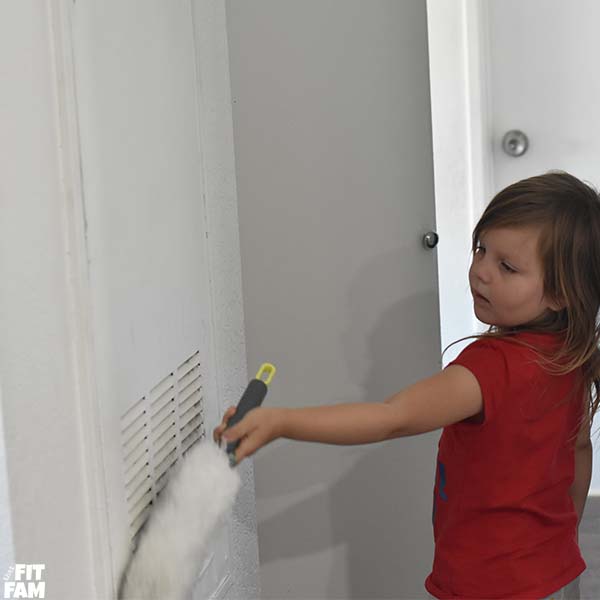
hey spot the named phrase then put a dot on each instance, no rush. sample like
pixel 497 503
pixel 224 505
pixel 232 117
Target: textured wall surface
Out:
pixel 224 257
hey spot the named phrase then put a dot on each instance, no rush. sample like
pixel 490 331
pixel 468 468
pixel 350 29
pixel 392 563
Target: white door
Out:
pixel 543 81
pixel 332 127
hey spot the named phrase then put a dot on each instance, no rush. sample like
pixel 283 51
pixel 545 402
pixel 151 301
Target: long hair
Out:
pixel 567 211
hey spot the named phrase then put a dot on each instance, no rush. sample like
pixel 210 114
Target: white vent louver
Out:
pixel 156 432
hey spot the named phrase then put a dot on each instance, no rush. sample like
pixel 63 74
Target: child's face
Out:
pixel 513 298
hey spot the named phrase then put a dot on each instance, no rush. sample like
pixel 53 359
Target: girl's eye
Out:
pixel 479 249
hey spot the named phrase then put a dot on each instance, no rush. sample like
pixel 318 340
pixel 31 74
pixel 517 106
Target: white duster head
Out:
pixel 199 494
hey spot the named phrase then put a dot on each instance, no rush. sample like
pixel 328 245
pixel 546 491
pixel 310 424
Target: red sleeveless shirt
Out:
pixel 504 522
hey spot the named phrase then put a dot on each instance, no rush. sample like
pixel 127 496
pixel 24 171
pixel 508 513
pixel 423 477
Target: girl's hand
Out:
pixel 259 427
pixel 218 431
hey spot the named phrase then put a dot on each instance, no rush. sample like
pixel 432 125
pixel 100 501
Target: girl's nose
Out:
pixel 481 272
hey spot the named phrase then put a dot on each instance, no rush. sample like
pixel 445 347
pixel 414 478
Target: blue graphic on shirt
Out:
pixel 440 487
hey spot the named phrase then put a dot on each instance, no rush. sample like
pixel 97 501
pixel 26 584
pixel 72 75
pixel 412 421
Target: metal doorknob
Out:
pixel 515 143
pixel 430 239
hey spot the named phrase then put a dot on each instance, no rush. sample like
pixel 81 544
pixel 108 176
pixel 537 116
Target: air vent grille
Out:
pixel 156 431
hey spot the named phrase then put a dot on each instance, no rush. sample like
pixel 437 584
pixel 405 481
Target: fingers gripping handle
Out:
pixel 252 397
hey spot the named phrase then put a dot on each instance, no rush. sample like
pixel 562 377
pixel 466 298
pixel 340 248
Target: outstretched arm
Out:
pixel 437 401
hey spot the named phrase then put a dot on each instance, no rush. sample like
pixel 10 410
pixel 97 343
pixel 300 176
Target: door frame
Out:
pixel 78 294
pixel 462 137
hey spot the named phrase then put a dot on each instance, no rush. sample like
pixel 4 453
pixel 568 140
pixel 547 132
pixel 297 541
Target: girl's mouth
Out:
pixel 479 297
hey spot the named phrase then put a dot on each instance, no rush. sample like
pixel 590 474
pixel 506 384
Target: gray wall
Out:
pixel 6 542
pixel 319 88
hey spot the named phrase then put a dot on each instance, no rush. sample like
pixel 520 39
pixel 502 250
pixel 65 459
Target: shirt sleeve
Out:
pixel 486 360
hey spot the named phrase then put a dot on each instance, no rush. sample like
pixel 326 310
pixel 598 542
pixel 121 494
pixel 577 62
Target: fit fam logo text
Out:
pixel 25 581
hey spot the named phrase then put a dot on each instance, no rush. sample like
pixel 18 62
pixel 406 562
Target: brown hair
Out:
pixel 567 211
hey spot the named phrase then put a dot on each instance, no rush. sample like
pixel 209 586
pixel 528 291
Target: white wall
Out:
pixel 460 157
pixel 51 505
pixel 40 410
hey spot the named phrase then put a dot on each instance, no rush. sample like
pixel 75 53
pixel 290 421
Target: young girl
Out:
pixel 516 406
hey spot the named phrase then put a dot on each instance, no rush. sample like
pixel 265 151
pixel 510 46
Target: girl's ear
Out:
pixel 557 305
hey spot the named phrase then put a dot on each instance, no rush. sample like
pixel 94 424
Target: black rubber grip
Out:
pixel 253 396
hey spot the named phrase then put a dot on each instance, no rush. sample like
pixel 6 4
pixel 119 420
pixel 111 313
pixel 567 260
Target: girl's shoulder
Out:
pixel 518 349
pixel 527 351
pixel 524 339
